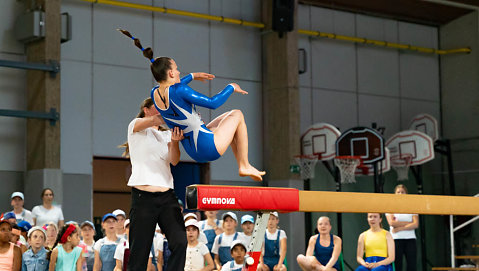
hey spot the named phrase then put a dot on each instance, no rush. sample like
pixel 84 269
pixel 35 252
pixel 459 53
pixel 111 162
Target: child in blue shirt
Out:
pixel 35 259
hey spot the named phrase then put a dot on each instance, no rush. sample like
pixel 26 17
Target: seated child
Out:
pixel 238 253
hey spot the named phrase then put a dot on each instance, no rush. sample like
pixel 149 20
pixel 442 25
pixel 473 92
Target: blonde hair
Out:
pixel 53 224
pixel 401 186
pixel 147 103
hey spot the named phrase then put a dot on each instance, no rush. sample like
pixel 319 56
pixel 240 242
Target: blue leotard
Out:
pixel 198 140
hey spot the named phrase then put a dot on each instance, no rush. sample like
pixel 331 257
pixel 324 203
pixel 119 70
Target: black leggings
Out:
pixel 147 209
pixel 406 247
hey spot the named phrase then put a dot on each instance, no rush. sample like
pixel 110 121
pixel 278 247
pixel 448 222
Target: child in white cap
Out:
pixel 202 237
pixel 21 214
pixel 211 227
pixel 274 246
pixel 120 217
pixel 247 224
pixel 197 254
pixel 35 259
pixel 222 244
pixel 238 253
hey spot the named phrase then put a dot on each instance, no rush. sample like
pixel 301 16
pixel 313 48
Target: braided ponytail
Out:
pixel 148 52
pixel 160 66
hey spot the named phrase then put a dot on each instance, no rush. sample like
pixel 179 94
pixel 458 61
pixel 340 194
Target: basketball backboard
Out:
pixel 427 124
pixel 418 145
pixel 363 142
pixel 383 165
pixel 320 140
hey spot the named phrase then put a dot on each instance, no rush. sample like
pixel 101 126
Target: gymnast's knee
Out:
pixel 237 113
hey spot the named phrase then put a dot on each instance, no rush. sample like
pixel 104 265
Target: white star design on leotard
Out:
pixel 192 122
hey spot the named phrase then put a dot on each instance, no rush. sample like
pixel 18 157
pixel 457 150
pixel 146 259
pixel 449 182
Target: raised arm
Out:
pixel 187 79
pixel 201 76
pixel 191 96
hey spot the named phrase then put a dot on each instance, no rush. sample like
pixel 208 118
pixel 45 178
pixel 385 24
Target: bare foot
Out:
pixel 251 172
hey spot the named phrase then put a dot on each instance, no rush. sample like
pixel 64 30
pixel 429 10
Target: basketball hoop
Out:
pixel 401 165
pixel 306 164
pixel 347 166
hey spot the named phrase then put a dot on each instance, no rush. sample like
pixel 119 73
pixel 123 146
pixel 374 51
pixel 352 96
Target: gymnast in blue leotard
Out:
pixel 177 102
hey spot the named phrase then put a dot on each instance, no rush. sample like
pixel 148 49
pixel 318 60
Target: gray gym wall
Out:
pixel 459 83
pixel 350 85
pixel 105 78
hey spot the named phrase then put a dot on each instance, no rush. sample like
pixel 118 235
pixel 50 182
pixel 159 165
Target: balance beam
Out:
pixel 217 197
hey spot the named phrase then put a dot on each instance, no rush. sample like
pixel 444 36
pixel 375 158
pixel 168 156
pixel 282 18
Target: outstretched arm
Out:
pixel 187 79
pixel 201 76
pixel 191 96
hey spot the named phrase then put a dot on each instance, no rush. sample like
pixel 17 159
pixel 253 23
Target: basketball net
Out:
pixel 347 167
pixel 401 166
pixel 306 164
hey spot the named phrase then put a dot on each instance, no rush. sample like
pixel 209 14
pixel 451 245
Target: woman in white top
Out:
pixel 152 149
pixel 402 229
pixel 47 212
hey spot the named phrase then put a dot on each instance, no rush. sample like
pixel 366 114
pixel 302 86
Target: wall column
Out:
pixel 43 93
pixel 281 121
